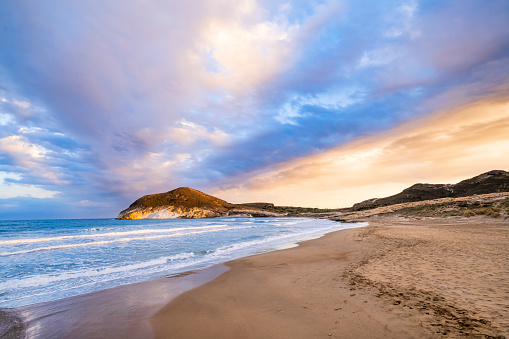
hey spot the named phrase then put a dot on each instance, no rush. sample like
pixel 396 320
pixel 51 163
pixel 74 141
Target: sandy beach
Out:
pixel 397 278
pixel 400 277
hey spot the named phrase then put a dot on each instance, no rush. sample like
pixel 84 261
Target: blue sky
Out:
pixel 104 101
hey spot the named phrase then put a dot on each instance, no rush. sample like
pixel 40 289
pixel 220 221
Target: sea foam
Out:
pixel 48 260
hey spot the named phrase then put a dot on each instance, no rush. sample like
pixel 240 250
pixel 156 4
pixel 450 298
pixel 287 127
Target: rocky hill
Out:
pixel 489 182
pixel 185 202
pixel 494 205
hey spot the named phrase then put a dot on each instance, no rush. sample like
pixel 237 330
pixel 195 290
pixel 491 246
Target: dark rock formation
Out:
pixel 489 182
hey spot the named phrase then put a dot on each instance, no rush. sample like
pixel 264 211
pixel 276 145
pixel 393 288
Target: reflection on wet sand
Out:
pixel 121 312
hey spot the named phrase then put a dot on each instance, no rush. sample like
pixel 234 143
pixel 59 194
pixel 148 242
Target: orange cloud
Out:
pixel 444 148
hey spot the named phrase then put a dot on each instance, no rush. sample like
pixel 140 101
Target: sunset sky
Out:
pixel 310 103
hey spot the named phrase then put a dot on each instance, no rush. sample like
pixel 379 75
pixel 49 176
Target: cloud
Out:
pixel 22 150
pixel 445 148
pixel 120 99
pixel 402 20
pixel 10 189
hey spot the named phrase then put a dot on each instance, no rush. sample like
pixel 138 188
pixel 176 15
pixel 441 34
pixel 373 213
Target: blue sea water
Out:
pixel 44 260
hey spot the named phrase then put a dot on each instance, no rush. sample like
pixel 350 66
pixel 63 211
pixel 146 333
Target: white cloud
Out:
pixel 335 98
pixel 13 190
pixel 179 159
pixel 22 149
pixel 32 159
pixel 189 132
pixel 403 20
pixel 249 53
pixel 22 104
pixel 378 57
pixel 332 99
pixel 5 119
pixel 288 112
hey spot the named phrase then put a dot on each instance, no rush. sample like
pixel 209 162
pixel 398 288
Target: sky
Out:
pixel 307 103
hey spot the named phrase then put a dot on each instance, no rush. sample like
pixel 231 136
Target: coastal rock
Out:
pixel 183 202
pixel 188 203
pixel 168 212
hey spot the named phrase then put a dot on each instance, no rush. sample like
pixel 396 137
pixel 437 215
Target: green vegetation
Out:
pixel 469 213
pixel 489 211
pixel 504 203
pixel 366 207
pixel 435 210
pixel 494 209
pixel 290 210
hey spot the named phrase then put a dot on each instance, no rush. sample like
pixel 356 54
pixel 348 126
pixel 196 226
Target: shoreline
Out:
pixel 118 311
pixel 251 299
pixel 173 251
pixel 397 278
pixel 82 316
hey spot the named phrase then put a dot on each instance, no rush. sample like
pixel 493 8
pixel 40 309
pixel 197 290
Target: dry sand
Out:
pixel 398 278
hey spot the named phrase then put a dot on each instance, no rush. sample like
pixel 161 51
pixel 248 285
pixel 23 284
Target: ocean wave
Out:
pixel 105 242
pixel 45 279
pixel 257 244
pixel 109 234
pixel 280 239
pixel 65 269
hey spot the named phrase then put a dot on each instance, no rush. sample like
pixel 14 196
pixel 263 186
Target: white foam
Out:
pixel 294 222
pixel 109 234
pixel 58 282
pixel 105 242
pixel 279 239
pixel 45 279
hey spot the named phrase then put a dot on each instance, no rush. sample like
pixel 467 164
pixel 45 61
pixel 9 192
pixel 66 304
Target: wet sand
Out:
pixel 398 278
pixel 119 312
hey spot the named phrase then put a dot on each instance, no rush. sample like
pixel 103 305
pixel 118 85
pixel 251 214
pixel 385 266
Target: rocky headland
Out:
pixel 485 194
pixel 188 203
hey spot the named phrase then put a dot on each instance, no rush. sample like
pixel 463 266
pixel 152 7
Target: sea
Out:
pixel 47 260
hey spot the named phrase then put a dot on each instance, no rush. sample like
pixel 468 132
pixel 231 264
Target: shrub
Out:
pixel 489 211
pixel 468 213
pixel 505 202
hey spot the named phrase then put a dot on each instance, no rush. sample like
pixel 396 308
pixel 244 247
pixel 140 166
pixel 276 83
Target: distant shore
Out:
pixel 397 278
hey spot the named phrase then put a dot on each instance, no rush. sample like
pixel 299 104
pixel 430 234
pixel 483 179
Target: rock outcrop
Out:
pixel 489 182
pixel 188 203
